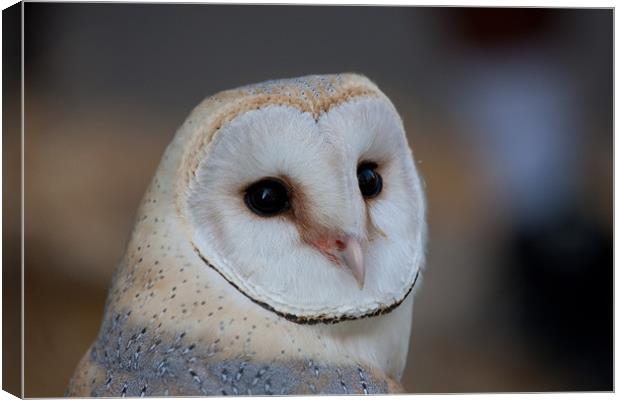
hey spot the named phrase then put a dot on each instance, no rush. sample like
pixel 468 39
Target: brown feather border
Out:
pixel 320 319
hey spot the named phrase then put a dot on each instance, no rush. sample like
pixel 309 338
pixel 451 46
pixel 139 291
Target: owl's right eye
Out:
pixel 267 197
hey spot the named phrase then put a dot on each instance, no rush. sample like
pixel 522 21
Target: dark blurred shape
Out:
pixel 499 26
pixel 565 267
pixel 11 200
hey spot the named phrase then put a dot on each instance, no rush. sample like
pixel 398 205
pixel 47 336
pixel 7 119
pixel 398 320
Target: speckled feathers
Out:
pixel 207 297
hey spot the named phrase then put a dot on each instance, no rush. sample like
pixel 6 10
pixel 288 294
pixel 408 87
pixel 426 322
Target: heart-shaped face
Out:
pixel 303 194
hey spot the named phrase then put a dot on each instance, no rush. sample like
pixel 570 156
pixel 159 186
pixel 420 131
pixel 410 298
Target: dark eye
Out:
pixel 369 180
pixel 267 197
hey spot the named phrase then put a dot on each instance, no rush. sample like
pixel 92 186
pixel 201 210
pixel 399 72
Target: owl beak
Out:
pixel 351 255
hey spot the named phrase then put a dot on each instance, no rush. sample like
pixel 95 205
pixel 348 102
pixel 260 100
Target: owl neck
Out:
pixel 190 308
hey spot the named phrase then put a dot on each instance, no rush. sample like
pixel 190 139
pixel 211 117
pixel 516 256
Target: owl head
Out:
pixel 303 195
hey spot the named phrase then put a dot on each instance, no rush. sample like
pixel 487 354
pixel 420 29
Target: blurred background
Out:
pixel 508 112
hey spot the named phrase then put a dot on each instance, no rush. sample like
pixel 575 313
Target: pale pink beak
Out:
pixel 350 254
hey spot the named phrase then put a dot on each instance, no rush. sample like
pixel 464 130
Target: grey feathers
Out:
pixel 138 362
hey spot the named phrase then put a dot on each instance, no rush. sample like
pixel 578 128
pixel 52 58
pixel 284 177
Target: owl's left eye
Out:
pixel 369 180
pixel 267 197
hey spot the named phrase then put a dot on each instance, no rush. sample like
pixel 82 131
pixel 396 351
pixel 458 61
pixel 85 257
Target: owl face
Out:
pixel 313 210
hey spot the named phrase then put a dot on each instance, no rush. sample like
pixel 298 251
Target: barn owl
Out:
pixel 275 251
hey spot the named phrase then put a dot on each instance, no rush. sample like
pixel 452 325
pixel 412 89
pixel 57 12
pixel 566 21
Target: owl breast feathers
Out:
pixel 275 251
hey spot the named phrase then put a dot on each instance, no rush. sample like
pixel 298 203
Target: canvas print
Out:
pixel 306 200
